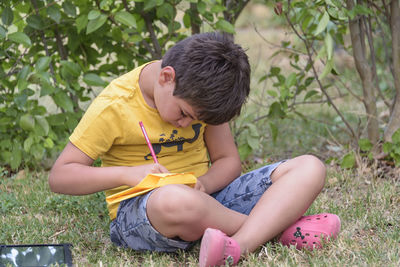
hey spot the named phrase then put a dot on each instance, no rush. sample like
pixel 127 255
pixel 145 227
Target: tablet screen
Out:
pixel 33 255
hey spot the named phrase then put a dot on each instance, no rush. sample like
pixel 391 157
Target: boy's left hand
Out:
pixel 199 186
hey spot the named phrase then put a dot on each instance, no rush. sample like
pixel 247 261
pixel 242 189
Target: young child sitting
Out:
pixel 185 101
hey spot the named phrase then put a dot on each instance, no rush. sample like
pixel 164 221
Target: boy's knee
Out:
pixel 175 203
pixel 314 168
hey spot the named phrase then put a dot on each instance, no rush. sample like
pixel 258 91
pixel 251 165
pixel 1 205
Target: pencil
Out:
pixel 146 137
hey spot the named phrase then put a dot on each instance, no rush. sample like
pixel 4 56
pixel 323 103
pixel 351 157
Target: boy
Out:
pixel 185 101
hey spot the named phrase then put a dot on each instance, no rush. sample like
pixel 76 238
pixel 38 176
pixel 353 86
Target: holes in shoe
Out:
pixel 318 218
pixel 316 236
pixel 304 242
pixel 307 234
pixel 314 243
pixel 325 216
pixel 229 260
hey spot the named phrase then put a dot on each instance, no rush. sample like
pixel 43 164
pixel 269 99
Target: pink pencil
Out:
pixel 148 142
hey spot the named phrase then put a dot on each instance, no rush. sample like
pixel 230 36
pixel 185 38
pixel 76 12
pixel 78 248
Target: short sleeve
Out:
pixel 99 127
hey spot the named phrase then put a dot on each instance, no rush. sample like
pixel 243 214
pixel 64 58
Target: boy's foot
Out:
pixel 218 249
pixel 309 231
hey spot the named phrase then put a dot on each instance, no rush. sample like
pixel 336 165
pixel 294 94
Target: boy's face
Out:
pixel 172 109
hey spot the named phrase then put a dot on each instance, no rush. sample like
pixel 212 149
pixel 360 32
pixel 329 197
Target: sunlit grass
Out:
pixel 369 208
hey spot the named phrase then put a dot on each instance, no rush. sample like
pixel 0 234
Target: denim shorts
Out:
pixel 133 229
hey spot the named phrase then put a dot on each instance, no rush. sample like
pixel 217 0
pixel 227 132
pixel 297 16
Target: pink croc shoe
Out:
pixel 218 249
pixel 308 231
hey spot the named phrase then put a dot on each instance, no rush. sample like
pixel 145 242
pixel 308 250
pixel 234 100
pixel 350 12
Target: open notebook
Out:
pixel 152 181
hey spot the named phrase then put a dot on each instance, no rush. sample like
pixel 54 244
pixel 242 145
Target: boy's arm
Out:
pixel 73 174
pixel 225 160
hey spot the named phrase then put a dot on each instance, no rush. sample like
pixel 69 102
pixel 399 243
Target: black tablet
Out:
pixel 35 255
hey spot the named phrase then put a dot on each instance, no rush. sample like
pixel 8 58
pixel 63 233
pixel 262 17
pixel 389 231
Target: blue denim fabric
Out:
pixel 133 229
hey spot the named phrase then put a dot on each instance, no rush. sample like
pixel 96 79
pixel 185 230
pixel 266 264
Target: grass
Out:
pixel 367 202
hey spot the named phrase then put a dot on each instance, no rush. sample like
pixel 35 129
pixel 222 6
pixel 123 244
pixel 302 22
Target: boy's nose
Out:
pixel 185 122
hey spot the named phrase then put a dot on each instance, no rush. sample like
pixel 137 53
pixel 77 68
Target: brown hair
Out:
pixel 212 74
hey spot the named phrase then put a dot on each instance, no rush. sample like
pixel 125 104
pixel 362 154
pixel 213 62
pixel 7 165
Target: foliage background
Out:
pixel 55 55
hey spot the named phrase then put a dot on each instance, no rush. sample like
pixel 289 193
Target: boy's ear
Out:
pixel 167 75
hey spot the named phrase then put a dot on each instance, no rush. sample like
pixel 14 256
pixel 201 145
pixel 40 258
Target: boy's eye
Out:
pixel 183 114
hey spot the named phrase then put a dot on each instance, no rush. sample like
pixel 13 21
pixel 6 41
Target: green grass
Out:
pixel 368 206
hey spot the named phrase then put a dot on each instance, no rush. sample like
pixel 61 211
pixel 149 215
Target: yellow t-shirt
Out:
pixel 110 130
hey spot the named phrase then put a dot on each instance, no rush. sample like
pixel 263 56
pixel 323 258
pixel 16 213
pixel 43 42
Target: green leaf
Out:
pixel 27 122
pixel 186 20
pixel 149 4
pixel 275 111
pixel 54 13
pixel 323 23
pixel 244 151
pixel 274 131
pixel 93 14
pixel 16 159
pixel 166 11
pixel 329 45
pixel 396 137
pixel 275 71
pixel 42 64
pixel 46 89
pixel 387 147
pixel 126 18
pixel 20 37
pixel 48 143
pixel 62 100
pixel 37 151
pixel 69 68
pixel 310 94
pixel 95 24
pixel 81 22
pixel 7 16
pixel 253 142
pixel 28 143
pixel 272 93
pixel 365 144
pixel 348 161
pixel 42 122
pixel 328 68
pixel 35 21
pixel 69 8
pixel 23 73
pixel 216 8
pixel 94 80
pixel 291 80
pixel 201 7
pixel 225 26
pixel 135 38
pixel 3 33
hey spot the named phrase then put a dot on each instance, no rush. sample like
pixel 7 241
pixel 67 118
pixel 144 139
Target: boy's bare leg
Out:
pixel 181 211
pixel 295 185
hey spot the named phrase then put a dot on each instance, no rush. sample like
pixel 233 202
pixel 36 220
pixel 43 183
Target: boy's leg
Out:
pixel 180 211
pixel 296 183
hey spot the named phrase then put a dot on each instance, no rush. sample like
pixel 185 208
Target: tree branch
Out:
pixel 315 73
pixel 394 121
pixel 357 39
pixel 46 49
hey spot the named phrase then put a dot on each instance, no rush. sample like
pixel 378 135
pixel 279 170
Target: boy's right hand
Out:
pixel 142 171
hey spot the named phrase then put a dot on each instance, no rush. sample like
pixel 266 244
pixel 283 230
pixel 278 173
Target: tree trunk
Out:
pixel 394 121
pixel 365 73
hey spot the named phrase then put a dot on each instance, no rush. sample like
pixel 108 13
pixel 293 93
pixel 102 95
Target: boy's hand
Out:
pixel 199 186
pixel 131 178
